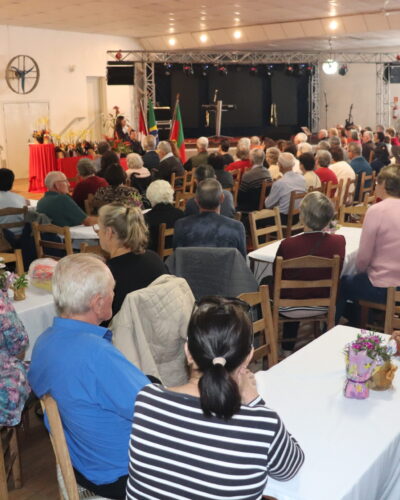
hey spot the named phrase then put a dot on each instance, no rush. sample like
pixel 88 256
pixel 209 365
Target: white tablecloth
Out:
pixel 36 313
pixel 264 257
pixel 351 447
pixel 83 233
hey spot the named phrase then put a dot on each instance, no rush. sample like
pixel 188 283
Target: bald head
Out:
pixel 209 195
pixel 56 181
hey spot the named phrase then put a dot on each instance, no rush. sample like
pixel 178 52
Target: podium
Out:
pixel 218 107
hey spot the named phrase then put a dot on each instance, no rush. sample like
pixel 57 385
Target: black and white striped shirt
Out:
pixel 177 453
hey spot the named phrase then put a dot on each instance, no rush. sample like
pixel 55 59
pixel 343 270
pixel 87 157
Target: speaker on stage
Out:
pixel 120 73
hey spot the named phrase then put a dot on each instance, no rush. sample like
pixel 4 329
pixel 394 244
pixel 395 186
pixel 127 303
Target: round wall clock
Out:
pixel 22 74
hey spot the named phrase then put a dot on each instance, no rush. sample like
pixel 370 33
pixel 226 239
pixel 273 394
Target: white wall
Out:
pixel 66 91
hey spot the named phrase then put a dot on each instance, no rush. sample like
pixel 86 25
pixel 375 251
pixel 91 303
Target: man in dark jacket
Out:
pixel 169 164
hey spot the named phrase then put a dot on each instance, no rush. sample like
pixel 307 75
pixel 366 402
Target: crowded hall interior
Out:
pixel 200 250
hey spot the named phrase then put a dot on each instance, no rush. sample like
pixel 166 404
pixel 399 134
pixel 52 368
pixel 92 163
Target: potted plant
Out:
pixel 19 285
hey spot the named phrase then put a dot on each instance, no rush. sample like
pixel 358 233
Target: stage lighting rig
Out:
pixel 204 70
pixel 270 69
pixel 343 70
pixel 222 70
pixel 290 69
pixel 253 70
pixel 167 69
pixel 188 69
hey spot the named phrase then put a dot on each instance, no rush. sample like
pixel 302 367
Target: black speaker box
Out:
pixel 121 74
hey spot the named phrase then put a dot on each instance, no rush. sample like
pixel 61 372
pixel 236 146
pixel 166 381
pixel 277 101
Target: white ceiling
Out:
pixel 266 24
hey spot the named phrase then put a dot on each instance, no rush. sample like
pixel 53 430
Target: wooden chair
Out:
pixel 349 192
pixel 263 193
pixel 369 200
pixel 189 185
pixel 235 191
pixel 13 211
pixel 181 198
pixel 391 309
pixel 334 192
pixel 352 216
pixel 96 249
pixel 363 188
pixel 41 244
pixel 260 236
pixel 69 489
pixel 237 175
pixel 163 250
pixel 16 257
pixel 331 283
pixel 10 462
pixel 237 216
pixel 265 338
pixel 177 182
pixel 290 227
pixel 89 208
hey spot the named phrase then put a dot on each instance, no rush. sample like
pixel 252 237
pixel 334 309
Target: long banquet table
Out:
pixel 264 257
pixel 351 447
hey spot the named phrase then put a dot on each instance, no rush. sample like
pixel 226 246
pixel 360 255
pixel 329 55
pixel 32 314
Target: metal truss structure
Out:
pixel 314 99
pixel 383 104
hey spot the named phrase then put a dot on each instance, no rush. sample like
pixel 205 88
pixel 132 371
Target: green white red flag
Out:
pixel 177 131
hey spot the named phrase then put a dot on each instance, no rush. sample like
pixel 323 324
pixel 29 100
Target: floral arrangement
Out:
pixel 6 277
pixel 119 146
pixel 364 357
pixel 20 281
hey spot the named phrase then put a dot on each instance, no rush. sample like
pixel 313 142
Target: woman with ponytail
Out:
pixel 212 437
pixel 123 234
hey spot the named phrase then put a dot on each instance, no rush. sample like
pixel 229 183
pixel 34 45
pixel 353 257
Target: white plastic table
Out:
pixel 264 257
pixel 351 447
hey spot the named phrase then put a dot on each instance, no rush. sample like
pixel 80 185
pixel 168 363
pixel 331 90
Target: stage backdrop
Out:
pixel 252 94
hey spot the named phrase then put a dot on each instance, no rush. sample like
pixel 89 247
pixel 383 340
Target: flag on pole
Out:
pixel 177 131
pixel 151 120
pixel 142 128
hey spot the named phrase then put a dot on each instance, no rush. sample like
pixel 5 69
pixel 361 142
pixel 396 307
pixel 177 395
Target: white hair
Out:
pixel 323 131
pixel 202 143
pixel 255 140
pixel 324 158
pixel 134 161
pixel 304 147
pixel 160 192
pixel 165 147
pixel 77 279
pixel 301 137
pixel 244 143
pixel 149 143
pixel 287 161
pixel 52 178
pixel 369 134
pixel 257 156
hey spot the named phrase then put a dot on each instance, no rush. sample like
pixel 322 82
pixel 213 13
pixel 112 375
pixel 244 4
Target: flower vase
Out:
pixel 359 369
pixel 382 377
pixel 19 294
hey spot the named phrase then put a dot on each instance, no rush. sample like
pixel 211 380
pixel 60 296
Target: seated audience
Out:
pixel 117 191
pixel 342 169
pixel 227 206
pixel 323 159
pixel 217 417
pixel 316 212
pixel 323 134
pixel 255 142
pixel 300 138
pixel 282 188
pixel 150 158
pixel 324 146
pixel 292 148
pixel 307 165
pixel 304 147
pixel 243 161
pixel 217 162
pixel 59 206
pixel 333 132
pixel 90 183
pixel 394 139
pixel 102 148
pixel 169 164
pixel 94 385
pixel 271 156
pixel 14 387
pixel 368 145
pixel 359 164
pixel 209 228
pixel 353 136
pixel 134 143
pixel 10 200
pixel 161 196
pixel 380 156
pixel 223 151
pixel 378 255
pixel 108 158
pixel 123 234
pixel 202 154
pixel 139 175
pixel 250 185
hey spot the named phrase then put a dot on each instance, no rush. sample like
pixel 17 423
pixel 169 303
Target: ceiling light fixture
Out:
pixel 172 42
pixel 333 25
pixel 330 67
pixel 237 34
pixel 203 38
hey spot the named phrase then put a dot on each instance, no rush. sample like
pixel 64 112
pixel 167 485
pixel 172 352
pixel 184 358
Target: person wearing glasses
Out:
pixel 59 206
pixel 212 437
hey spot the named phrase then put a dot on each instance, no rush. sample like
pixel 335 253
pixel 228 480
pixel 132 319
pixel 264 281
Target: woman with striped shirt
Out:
pixel 211 438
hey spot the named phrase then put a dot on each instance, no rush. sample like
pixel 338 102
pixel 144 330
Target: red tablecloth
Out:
pixel 69 166
pixel 42 160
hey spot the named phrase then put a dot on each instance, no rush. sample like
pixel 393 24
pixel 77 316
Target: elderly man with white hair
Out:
pixel 300 138
pixel 252 180
pixel 94 385
pixel 169 164
pixel 304 147
pixel 150 158
pixel 368 145
pixel 282 188
pixel 202 154
pixel 59 206
pixel 322 134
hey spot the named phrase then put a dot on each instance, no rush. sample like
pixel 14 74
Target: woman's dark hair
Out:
pixel 337 154
pixel 216 161
pixel 225 145
pixel 118 125
pixel 115 175
pixel 307 160
pixel 380 136
pixel 6 179
pixel 291 148
pixel 108 158
pixel 219 327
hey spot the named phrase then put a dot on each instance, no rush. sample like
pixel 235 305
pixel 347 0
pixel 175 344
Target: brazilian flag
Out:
pixel 151 120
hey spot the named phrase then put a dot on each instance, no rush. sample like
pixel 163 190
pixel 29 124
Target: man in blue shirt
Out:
pixel 359 164
pixel 94 385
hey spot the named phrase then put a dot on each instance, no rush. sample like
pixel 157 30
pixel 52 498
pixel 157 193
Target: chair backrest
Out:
pixel 370 189
pixel 261 236
pixel 307 262
pixel 235 191
pixel 13 211
pixel 369 200
pixel 352 216
pixel 163 233
pixel 349 190
pixel 41 244
pixel 334 192
pixel 60 447
pixel 265 337
pixel 89 209
pixel 293 211
pixel 263 193
pixel 237 175
pixel 392 317
pixel 15 256
pixel 189 185
pixel 177 181
pixel 181 198
pixel 10 464
pixel 96 249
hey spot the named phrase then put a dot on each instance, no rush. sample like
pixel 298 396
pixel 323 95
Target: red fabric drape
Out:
pixel 42 160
